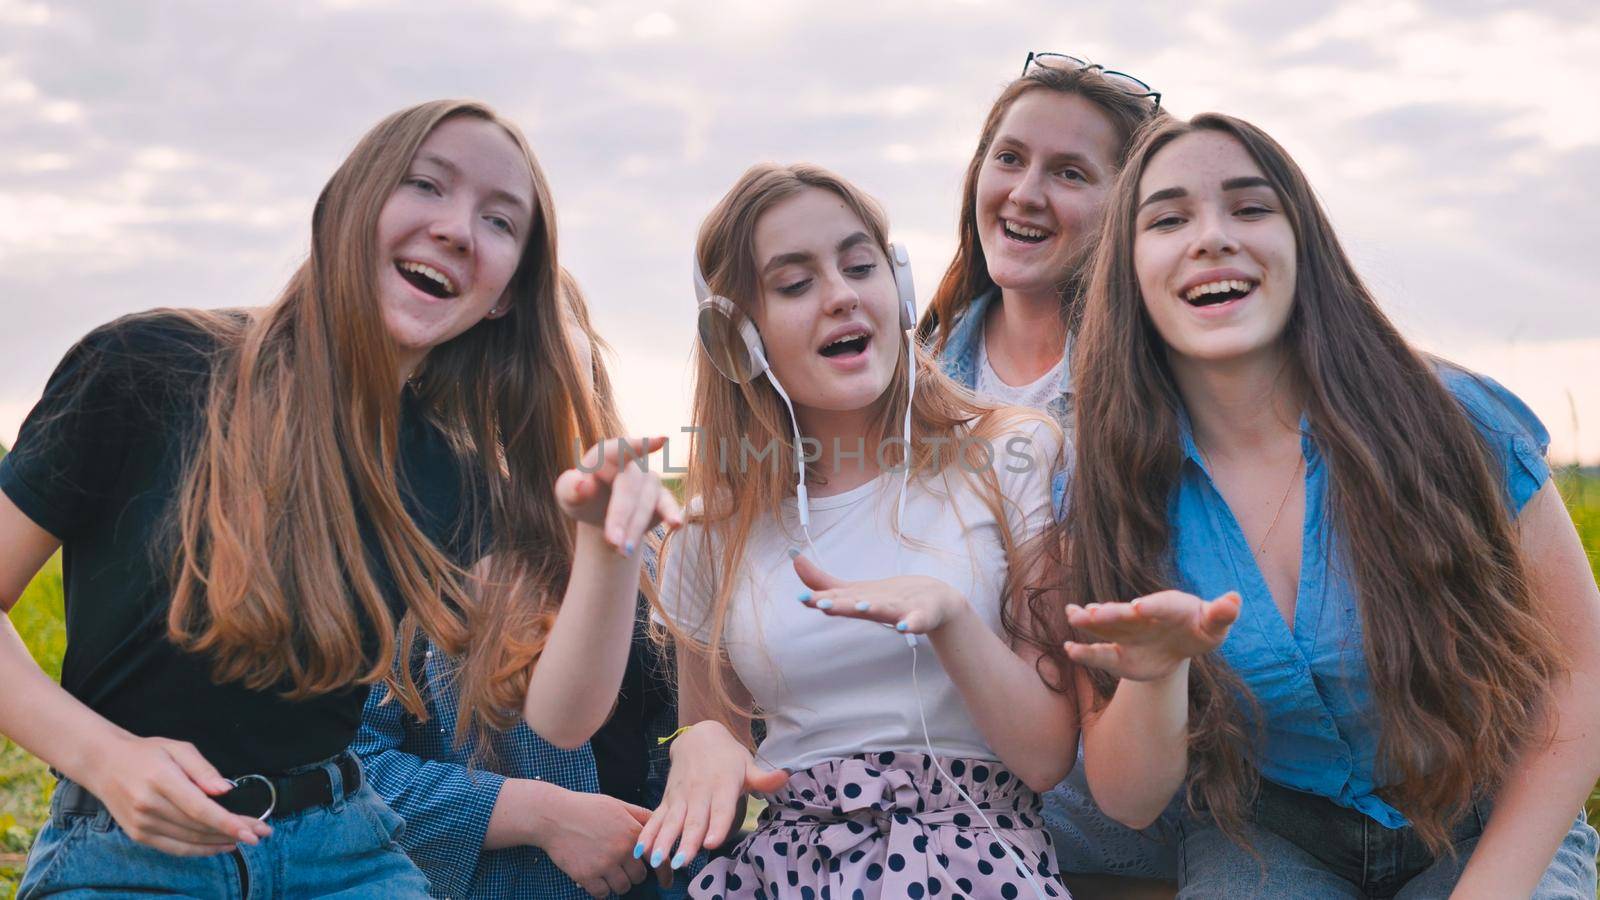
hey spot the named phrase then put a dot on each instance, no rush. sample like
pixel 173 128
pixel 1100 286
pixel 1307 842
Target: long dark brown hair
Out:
pixel 300 431
pixel 1461 663
pixel 968 274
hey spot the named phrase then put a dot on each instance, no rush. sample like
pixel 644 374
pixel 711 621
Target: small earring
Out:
pixel 493 310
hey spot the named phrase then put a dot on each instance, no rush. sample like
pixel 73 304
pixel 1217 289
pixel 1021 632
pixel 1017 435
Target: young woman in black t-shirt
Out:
pixel 249 504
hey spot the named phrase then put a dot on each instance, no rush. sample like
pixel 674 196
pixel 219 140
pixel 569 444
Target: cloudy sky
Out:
pixel 167 153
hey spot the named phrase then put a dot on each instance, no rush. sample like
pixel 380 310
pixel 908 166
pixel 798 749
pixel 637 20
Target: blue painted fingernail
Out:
pixel 901 626
pixel 638 850
pixel 794 552
pixel 805 596
pixel 824 604
pixel 678 861
pixel 627 549
pixel 863 606
pixel 655 859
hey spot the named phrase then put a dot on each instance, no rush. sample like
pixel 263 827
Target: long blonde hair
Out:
pixel 731 499
pixel 299 439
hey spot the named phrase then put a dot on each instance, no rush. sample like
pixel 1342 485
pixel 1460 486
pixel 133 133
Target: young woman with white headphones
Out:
pixel 883 777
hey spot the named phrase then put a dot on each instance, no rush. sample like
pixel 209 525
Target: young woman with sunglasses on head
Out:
pixel 1406 705
pixel 1030 209
pixel 247 503
pixel 1031 205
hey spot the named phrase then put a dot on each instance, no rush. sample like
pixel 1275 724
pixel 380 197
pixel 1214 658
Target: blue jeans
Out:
pixel 1306 851
pixel 346 849
pixel 1089 842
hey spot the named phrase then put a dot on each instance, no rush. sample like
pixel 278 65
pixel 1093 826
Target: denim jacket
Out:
pixel 960 357
pixel 959 360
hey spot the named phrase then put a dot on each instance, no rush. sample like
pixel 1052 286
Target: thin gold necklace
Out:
pixel 1300 461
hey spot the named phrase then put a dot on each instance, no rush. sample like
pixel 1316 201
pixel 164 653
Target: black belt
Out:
pixel 1338 836
pixel 258 796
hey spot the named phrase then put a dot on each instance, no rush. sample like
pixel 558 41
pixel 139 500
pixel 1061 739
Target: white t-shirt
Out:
pixel 833 687
pixel 1034 395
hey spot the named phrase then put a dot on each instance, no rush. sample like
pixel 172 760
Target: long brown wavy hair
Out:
pixel 508 628
pixel 968 275
pixel 1461 663
pixel 299 440
pixel 730 499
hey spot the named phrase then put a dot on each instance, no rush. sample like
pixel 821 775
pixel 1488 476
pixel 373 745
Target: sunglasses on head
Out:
pixel 1122 80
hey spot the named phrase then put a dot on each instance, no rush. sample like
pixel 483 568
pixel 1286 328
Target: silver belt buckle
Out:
pixel 272 792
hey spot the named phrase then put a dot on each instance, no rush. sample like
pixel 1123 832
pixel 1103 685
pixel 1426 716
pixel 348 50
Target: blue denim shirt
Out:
pixel 446 800
pixel 959 360
pixel 960 356
pixel 1312 683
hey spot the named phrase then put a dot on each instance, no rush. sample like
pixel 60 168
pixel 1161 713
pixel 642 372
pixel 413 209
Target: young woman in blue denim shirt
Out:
pixel 1406 706
pixel 1048 152
pixel 1030 208
pixel 247 503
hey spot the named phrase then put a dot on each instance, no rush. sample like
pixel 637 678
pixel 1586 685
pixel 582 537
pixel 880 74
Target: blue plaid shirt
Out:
pixel 446 803
pixel 416 767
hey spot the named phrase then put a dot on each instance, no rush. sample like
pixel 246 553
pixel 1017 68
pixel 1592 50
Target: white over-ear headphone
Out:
pixel 900 267
pixel 730 339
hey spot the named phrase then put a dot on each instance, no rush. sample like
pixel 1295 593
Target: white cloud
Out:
pixel 21 98
pixel 900 153
pixel 174 159
pixel 656 26
pixel 35 163
pixel 164 159
pixel 61 112
pixel 35 223
pixel 1536 70
pixel 17 91
pixel 22 14
pixel 1555 379
pixel 898 101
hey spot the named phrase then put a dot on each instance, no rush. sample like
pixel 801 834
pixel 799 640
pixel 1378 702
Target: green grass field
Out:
pixel 1582 493
pixel 25 783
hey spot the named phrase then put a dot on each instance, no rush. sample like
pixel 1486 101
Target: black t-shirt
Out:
pixel 98 463
pixel 622 745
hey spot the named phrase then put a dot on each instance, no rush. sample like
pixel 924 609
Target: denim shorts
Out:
pixel 1304 847
pixel 346 849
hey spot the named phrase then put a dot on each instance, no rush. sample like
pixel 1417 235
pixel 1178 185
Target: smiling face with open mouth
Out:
pixel 1213 250
pixel 1042 188
pixel 828 313
pixel 451 234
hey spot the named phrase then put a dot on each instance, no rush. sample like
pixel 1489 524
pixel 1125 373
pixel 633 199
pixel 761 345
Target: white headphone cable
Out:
pixel 911 639
pixel 803 507
pixel 802 500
